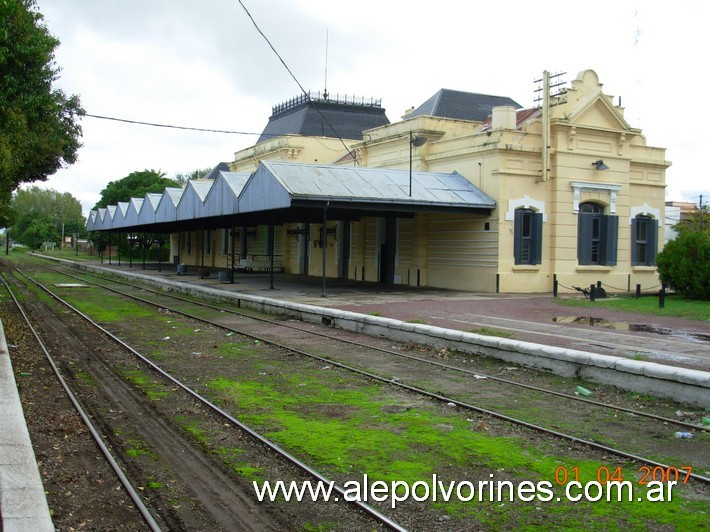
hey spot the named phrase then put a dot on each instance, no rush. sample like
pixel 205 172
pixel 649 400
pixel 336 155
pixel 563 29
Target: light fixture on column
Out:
pixel 599 165
pixel 417 141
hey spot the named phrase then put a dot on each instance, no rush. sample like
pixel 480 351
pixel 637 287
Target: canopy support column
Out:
pixel 324 244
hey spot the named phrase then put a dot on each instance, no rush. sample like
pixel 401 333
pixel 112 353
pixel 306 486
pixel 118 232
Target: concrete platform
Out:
pixel 662 364
pixel 537 318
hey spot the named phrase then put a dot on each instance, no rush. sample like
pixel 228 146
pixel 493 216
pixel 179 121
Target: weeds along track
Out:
pixel 455 403
pixel 129 488
pixel 203 493
pixel 603 426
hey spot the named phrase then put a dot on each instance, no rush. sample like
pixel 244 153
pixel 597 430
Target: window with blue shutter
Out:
pixel 527 245
pixel 644 241
pixel 597 236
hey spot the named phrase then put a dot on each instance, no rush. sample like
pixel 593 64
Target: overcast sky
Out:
pixel 203 64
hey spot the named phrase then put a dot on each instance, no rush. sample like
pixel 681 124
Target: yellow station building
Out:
pixel 467 191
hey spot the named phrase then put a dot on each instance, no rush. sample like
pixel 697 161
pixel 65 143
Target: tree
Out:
pixel 684 263
pixel 39 129
pixel 134 185
pixel 40 230
pixel 182 179
pixel 43 215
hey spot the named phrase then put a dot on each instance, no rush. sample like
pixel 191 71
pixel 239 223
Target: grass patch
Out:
pixel 137 448
pixel 641 396
pixel 149 386
pixel 323 527
pixel 230 456
pixel 86 377
pixel 348 429
pixel 236 349
pixel 674 306
pixel 417 321
pixel 376 314
pixel 487 331
pixel 105 308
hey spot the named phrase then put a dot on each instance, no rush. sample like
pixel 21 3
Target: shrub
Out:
pixel 684 264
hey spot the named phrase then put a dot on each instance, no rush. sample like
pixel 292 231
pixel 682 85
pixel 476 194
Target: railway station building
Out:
pixel 467 191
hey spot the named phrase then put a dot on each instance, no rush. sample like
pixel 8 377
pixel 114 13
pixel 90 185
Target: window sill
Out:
pixel 640 268
pixel 529 268
pixel 594 268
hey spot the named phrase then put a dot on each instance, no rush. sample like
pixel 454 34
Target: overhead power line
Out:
pixel 232 132
pixel 307 94
pixel 171 126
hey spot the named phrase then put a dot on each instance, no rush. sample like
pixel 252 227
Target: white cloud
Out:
pixel 203 64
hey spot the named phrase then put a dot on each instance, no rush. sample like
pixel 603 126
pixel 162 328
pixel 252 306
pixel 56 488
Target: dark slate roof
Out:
pixel 212 174
pixel 460 105
pixel 302 118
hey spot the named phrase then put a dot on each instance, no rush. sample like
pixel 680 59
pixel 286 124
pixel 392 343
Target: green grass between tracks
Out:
pixel 403 440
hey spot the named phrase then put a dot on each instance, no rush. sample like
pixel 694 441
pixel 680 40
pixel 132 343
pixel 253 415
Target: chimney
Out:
pixel 504 117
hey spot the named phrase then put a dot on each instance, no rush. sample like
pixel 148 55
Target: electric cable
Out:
pixel 293 76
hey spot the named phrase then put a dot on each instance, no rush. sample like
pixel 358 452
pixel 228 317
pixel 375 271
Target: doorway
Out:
pixel 387 237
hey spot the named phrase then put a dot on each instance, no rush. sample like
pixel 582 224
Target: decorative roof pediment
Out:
pixel 584 104
pixel 597 112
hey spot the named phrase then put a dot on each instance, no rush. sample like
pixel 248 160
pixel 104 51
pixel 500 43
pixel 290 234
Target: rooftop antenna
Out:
pixel 325 90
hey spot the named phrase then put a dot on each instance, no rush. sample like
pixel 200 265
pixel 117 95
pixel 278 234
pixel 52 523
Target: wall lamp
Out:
pixel 417 141
pixel 599 165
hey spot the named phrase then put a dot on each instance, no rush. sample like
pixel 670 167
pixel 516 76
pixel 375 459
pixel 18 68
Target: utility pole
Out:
pixel 549 83
pixel 702 214
pixel 545 126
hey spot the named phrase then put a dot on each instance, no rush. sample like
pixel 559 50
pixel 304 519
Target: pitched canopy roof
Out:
pixel 279 192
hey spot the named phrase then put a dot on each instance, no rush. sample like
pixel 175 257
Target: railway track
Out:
pixel 361 344
pixel 276 338
pixel 129 488
pixel 470 402
pixel 255 327
pixel 227 510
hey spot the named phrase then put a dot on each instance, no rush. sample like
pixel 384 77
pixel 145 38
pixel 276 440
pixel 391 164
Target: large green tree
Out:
pixel 43 215
pixel 134 185
pixel 39 124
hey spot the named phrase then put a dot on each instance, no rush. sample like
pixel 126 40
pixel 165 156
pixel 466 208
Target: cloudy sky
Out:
pixel 204 65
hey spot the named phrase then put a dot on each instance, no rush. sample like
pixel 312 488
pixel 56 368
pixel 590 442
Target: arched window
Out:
pixel 644 240
pixel 527 247
pixel 597 235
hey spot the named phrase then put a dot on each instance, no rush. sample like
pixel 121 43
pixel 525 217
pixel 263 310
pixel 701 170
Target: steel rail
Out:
pixel 130 490
pixel 376 514
pixel 435 363
pixel 433 395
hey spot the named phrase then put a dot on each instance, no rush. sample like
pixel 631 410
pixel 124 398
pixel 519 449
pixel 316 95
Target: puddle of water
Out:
pixel 631 327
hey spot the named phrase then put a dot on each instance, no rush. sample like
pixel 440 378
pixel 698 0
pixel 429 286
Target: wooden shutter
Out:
pixel 634 241
pixel 584 238
pixel 652 245
pixel 610 234
pixel 518 235
pixel 536 231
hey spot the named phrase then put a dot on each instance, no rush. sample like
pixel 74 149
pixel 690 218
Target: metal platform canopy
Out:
pixel 290 192
pixel 278 193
